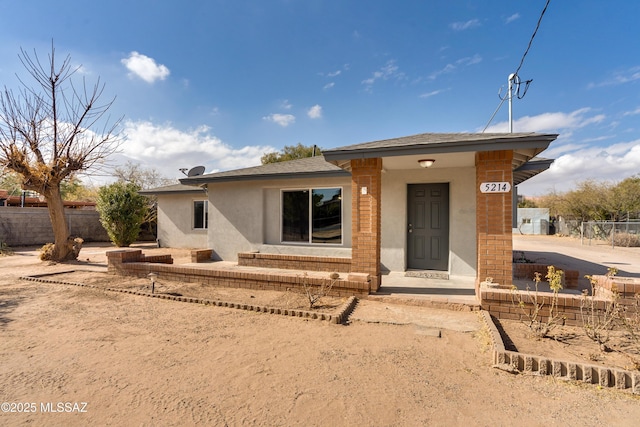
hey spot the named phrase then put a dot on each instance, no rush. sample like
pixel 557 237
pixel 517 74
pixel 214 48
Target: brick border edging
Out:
pixel 513 361
pixel 340 317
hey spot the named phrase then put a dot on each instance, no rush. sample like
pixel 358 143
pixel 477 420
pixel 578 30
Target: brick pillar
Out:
pixel 494 218
pixel 365 218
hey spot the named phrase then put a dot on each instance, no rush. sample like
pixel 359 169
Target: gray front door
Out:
pixel 428 227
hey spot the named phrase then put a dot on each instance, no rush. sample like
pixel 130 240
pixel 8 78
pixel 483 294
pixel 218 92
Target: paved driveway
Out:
pixel 568 253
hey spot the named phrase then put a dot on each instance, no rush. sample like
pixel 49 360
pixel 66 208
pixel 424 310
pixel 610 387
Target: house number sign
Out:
pixel 495 187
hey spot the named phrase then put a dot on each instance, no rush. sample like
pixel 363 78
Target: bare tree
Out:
pixel 47 135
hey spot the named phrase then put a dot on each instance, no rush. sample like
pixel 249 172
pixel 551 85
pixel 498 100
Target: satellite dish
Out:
pixel 196 171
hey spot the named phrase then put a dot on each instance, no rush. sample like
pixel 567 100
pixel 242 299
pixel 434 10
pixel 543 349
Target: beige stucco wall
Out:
pixel 245 216
pixel 462 216
pixel 175 221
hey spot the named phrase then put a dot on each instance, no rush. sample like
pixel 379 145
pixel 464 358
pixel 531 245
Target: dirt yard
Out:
pixel 103 358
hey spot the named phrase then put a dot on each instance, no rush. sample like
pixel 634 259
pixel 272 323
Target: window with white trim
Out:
pixel 200 214
pixel 312 215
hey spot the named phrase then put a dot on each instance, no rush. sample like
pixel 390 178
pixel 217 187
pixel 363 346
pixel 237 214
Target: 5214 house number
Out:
pixel 495 187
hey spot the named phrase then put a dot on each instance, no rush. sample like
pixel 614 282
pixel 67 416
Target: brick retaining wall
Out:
pixel 131 262
pixel 503 304
pixel 295 262
pixel 528 270
pixel 626 287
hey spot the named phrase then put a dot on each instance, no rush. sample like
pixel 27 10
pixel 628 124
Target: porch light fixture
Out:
pixel 426 163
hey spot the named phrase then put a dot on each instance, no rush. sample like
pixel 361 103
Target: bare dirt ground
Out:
pixel 588 258
pixel 142 361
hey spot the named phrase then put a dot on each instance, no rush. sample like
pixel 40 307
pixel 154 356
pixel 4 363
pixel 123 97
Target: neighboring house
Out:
pixel 434 202
pixel 532 221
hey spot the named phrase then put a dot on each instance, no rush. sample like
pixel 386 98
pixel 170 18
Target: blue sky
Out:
pixel 220 82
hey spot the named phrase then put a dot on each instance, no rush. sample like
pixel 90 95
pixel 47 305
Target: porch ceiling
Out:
pixel 451 160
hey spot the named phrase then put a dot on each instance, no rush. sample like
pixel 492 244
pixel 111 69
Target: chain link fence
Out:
pixel 625 234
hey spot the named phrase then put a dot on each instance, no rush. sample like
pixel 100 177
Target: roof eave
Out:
pixel 194 190
pixel 538 141
pixel 263 177
pixel 530 169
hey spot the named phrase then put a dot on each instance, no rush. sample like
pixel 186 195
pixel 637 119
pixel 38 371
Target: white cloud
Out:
pixel 461 26
pixel 632 113
pixel 433 93
pixel 462 62
pixel 328 86
pixel 334 73
pixel 575 160
pixel 286 105
pixel 283 120
pixel 315 112
pixel 144 67
pixel 547 122
pixel 621 77
pixel 580 163
pixel 512 18
pixel 167 149
pixel 389 71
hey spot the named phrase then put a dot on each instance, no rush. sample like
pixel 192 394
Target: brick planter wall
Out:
pixel 626 287
pixel 131 263
pixel 295 262
pixel 500 304
pixel 527 271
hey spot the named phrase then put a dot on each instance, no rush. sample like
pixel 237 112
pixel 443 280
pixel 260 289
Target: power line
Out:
pixel 532 37
pixel 515 75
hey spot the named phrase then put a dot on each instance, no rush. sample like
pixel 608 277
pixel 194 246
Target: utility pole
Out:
pixel 512 77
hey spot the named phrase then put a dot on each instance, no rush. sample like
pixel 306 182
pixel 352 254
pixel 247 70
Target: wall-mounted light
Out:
pixel 426 163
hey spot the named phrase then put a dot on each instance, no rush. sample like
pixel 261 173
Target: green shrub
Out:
pixel 122 211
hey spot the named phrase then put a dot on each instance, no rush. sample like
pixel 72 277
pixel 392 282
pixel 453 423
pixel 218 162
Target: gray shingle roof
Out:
pixel 334 162
pixel 306 167
pixel 425 143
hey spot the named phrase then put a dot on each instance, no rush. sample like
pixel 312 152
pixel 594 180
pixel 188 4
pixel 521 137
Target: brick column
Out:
pixel 365 218
pixel 494 218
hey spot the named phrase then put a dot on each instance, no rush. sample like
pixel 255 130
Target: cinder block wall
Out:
pixel 32 226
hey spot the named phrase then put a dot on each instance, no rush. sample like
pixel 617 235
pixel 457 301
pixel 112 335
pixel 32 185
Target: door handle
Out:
pixel 410 228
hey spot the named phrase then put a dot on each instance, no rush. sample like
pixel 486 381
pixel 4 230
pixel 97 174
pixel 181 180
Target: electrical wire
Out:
pixel 494 113
pixel 515 74
pixel 532 37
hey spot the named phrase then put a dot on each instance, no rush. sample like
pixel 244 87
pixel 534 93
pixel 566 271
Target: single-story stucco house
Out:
pixel 437 202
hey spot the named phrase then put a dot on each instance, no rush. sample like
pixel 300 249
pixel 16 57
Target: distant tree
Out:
pixel 10 181
pixel 73 189
pixel 527 203
pixel 47 134
pixel 596 201
pixel 626 197
pixel 145 178
pixel 290 152
pixel 122 211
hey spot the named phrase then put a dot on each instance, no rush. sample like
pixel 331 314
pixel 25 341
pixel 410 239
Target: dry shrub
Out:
pixel 626 239
pixel 531 303
pixel 47 251
pixel 314 293
pixel 596 322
